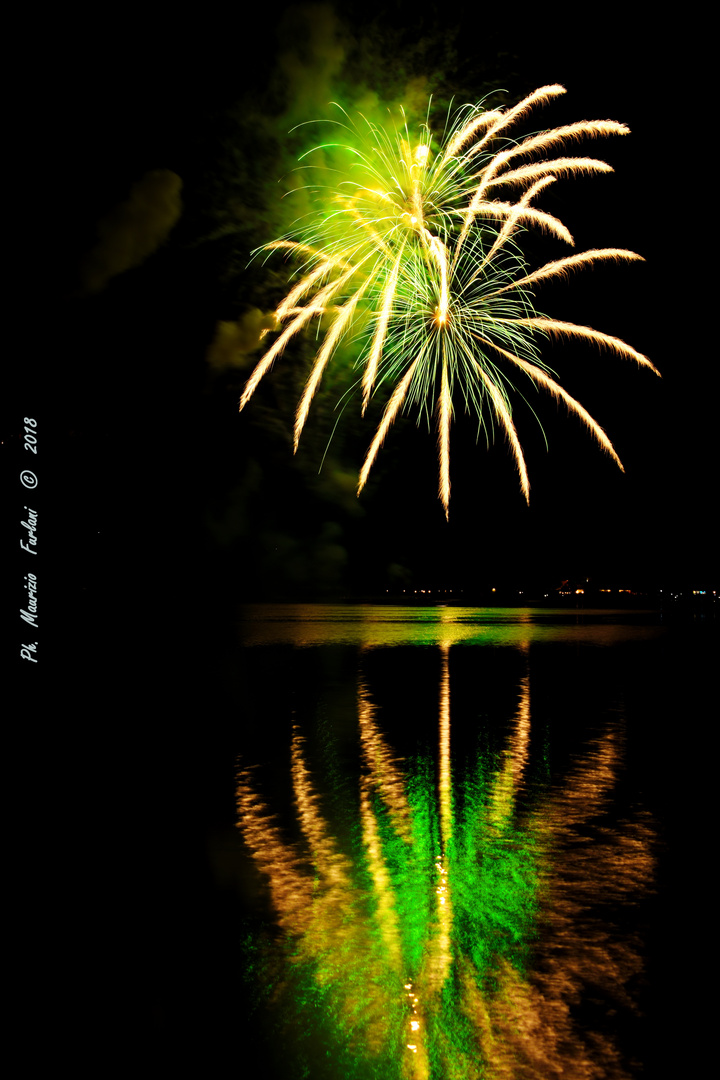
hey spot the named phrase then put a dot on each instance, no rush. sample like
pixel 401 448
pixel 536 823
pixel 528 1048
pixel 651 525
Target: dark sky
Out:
pixel 121 373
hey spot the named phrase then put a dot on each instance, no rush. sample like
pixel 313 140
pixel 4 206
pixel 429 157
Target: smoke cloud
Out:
pixel 311 57
pixel 234 341
pixel 134 229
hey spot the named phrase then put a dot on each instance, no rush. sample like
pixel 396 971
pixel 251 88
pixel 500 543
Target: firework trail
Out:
pixel 415 260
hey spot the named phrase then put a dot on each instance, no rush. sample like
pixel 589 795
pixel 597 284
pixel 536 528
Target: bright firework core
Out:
pixel 418 232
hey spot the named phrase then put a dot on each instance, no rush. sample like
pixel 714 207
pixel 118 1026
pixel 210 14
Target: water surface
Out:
pixel 449 848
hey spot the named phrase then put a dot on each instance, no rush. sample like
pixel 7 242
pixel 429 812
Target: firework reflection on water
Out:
pixel 466 925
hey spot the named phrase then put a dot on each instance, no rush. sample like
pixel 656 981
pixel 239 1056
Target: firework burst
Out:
pixel 415 260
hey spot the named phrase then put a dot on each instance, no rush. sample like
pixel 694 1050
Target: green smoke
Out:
pixel 134 229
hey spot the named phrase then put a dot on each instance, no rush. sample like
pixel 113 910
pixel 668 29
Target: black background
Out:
pixel 121 748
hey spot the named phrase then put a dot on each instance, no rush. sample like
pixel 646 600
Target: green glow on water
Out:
pixel 498 879
pixel 380 930
pixel 308 625
pixel 409 934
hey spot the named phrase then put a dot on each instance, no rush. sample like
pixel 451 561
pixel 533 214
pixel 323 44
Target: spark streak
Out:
pixel 413 262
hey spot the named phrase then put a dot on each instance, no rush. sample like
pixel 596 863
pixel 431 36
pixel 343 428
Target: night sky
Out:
pixel 146 167
pixel 168 149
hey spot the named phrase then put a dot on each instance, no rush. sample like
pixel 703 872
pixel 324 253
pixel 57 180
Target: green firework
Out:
pixel 413 259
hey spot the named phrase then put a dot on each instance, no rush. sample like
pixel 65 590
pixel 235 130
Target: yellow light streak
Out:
pixel 562 329
pixel 561 394
pixel 391 411
pixel 414 235
pixel 381 330
pixel 445 411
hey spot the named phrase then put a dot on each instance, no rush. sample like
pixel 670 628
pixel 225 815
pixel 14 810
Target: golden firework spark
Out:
pixel 416 262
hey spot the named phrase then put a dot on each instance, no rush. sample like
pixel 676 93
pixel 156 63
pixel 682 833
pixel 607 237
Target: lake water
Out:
pixel 457 839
